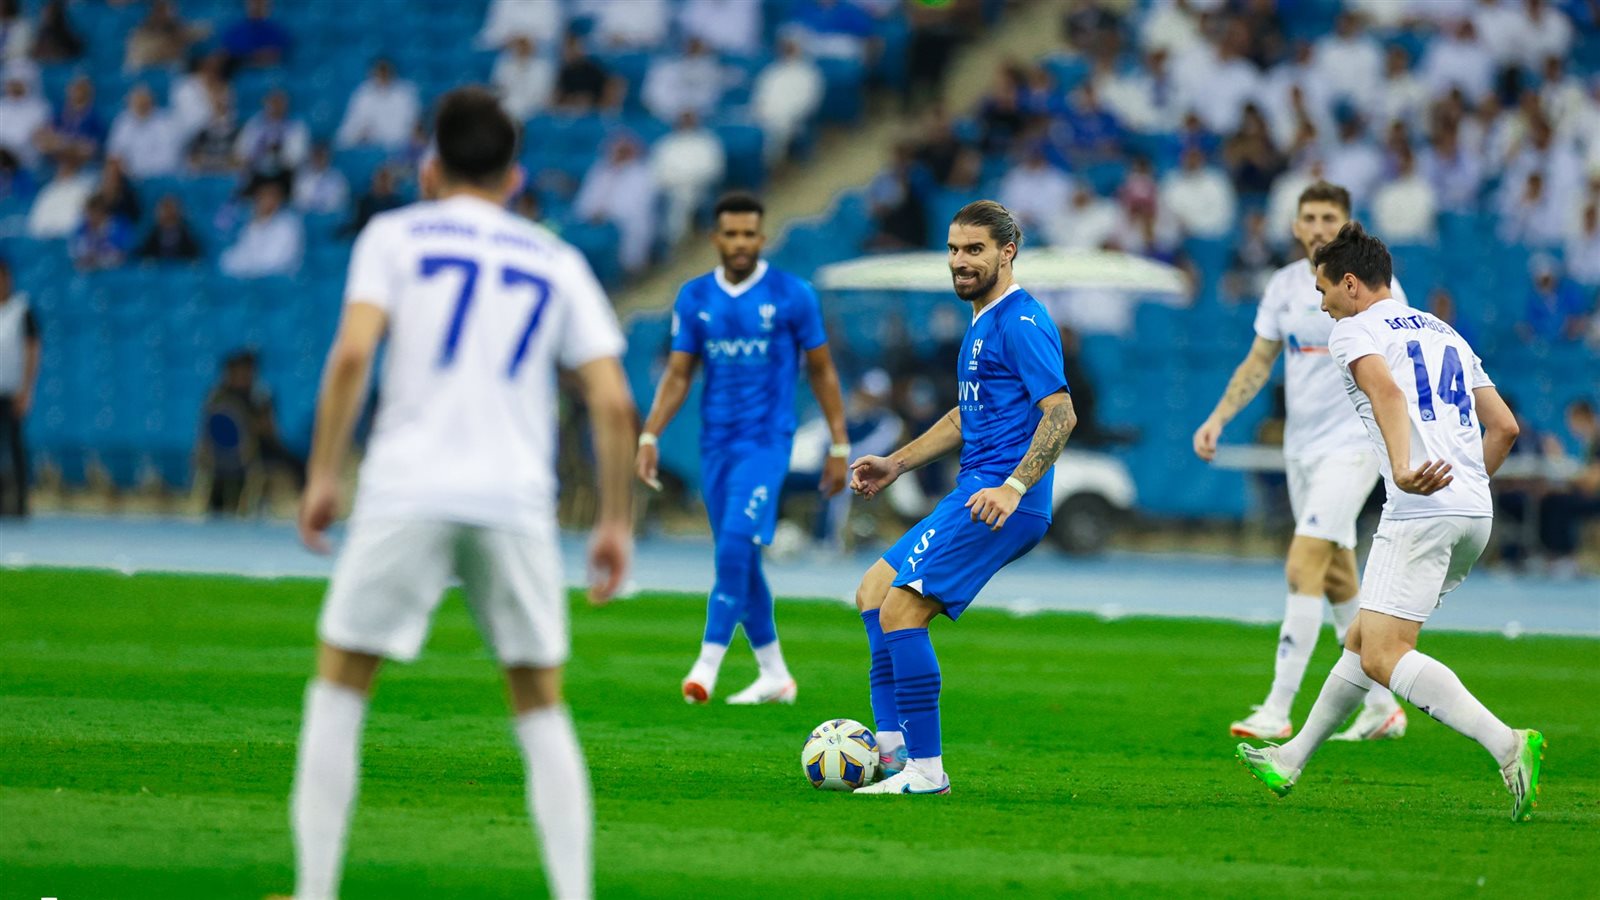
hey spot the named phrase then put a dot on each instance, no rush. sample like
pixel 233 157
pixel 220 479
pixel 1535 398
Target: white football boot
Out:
pixel 766 690
pixel 908 781
pixel 1263 726
pixel 699 685
pixel 1378 722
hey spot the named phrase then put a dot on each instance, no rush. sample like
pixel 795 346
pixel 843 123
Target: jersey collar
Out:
pixel 997 301
pixel 738 290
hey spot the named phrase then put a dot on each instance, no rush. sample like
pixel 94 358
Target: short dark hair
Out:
pixel 1325 192
pixel 477 140
pixel 738 202
pixel 1354 252
pixel 1002 226
pixel 1582 407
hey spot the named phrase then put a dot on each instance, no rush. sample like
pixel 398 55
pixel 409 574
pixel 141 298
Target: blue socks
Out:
pixel 916 690
pixel 760 625
pixel 736 558
pixel 885 715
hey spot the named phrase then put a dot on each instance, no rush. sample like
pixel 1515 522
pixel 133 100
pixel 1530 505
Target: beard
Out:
pixel 980 285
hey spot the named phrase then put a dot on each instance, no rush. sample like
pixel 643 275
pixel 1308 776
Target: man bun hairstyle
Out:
pixel 738 202
pixel 1002 226
pixel 477 139
pixel 1325 192
pixel 1354 252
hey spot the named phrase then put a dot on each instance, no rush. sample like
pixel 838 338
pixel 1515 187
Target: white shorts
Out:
pixel 392 573
pixel 1326 493
pixel 1415 562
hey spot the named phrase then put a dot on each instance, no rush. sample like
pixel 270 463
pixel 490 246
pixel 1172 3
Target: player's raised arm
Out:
pixel 611 416
pixel 871 474
pixel 1389 411
pixel 670 394
pixel 344 382
pixel 1246 382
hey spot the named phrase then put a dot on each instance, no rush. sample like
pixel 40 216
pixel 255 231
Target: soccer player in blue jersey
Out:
pixel 1014 416
pixel 749 325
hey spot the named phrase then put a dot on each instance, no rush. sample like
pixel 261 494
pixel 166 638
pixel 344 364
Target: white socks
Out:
pixel 558 800
pixel 1302 620
pixel 890 741
pixel 1344 614
pixel 770 659
pixel 1430 686
pixel 1341 694
pixel 704 670
pixel 931 768
pixel 325 771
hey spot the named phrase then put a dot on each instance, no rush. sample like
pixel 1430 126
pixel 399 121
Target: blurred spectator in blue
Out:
pixel 1405 207
pixel 1354 162
pixel 78 129
pixel 58 208
pixel 1555 309
pixel 381 195
pixel 271 243
pixel 147 139
pixel 1583 248
pixel 55 40
pixel 1035 191
pixel 383 111
pixel 619 189
pixel 1564 514
pixel 1250 157
pixel 1092 27
pixel 687 164
pixel 319 188
pixel 1533 217
pixel 898 214
pixel 212 145
pixel 1455 174
pixel 787 93
pixel 944 157
pixel 240 436
pixel 1199 198
pixel 170 239
pixel 583 85
pixel 1143 98
pixel 1456 59
pixel 161 38
pixel 24 114
pixel 1038 94
pixel 117 191
pixel 1193 135
pixel 636 25
pixel 102 240
pixel 1086 133
pixel 726 26
pixel 272 144
pixel 523 78
pixel 541 23
pixel 691 81
pixel 836 29
pixel 16 32
pixel 257 39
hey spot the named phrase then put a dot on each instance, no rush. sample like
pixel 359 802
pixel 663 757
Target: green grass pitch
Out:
pixel 147 729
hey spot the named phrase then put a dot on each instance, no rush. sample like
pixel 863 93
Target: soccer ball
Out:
pixel 840 755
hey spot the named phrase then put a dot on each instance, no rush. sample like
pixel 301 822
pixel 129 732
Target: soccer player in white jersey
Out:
pixel 1330 467
pixel 1422 395
pixel 479 308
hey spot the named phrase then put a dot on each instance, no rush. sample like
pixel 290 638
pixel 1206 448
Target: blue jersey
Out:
pixel 749 338
pixel 1010 360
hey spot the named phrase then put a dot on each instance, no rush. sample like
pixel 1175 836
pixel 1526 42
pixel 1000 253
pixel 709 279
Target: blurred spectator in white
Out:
pixel 1089 223
pixel 161 38
pixel 170 239
pixel 524 78
pixel 687 164
pixel 1218 82
pixel 102 240
pixel 319 188
pixel 148 139
pixel 1563 97
pixel 1283 201
pixel 583 85
pixel 257 39
pixel 1403 97
pixel 1455 174
pixel 726 26
pixel 1531 216
pixel 272 144
pixel 1583 248
pixel 194 95
pixel 271 243
pixel 1404 208
pixel 1348 62
pixel 58 208
pixel 383 111
pixel 1199 197
pixel 1143 98
pixel 24 115
pixel 381 196
pixel 16 32
pixel 787 93
pixel 1541 31
pixel 1036 192
pixel 834 29
pixel 78 129
pixel 1541 152
pixel 618 189
pixel 55 40
pixel 1501 26
pixel 689 82
pixel 1384 15
pixel 1456 58
pixel 211 147
pixel 540 21
pixel 1354 162
pixel 637 24
pixel 1172 26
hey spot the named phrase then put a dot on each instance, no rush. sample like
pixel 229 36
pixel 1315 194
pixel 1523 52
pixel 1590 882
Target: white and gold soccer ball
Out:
pixel 840 755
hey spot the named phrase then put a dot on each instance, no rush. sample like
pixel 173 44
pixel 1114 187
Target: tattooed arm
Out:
pixel 995 505
pixel 1242 388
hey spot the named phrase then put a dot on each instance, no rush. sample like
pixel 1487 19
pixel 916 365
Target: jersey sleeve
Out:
pixel 1035 351
pixel 1349 342
pixel 1398 291
pixel 591 330
pixel 372 276
pixel 686 328
pixel 808 319
pixel 1476 376
pixel 1267 324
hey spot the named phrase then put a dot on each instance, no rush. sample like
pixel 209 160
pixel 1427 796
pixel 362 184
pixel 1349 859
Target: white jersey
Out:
pixel 1320 422
pixel 1437 371
pixel 482 307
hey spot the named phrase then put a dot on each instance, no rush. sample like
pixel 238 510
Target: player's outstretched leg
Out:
pixel 917 683
pixel 1381 717
pixel 1279 767
pixel 774 684
pixel 327 764
pixel 736 557
pixel 559 801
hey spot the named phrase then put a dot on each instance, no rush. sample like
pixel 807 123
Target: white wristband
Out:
pixel 839 451
pixel 1015 484
pixel 646 439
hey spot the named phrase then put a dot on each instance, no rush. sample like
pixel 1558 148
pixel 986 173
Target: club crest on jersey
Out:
pixel 977 347
pixel 767 311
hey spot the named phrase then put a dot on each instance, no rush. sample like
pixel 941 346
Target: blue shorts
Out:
pixel 741 488
pixel 948 558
